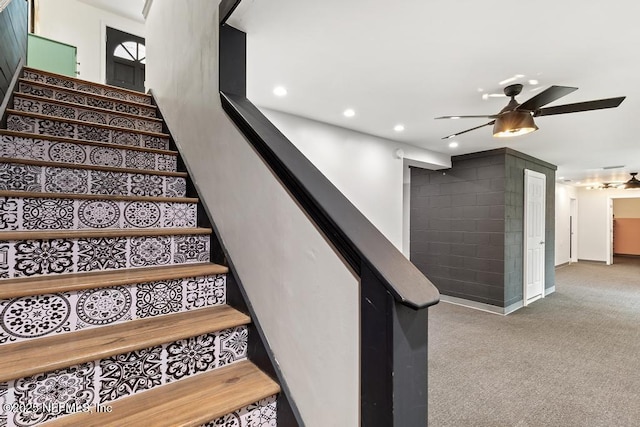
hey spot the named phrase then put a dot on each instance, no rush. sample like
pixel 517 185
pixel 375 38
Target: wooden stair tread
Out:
pixel 30 357
pixel 83 93
pixel 26 286
pixel 45 195
pixel 84 107
pixel 189 402
pixel 86 82
pixel 105 232
pixel 83 123
pixel 84 142
pixel 91 167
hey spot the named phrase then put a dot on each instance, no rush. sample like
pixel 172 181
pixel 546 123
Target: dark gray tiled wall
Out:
pixel 467 225
pixel 457 227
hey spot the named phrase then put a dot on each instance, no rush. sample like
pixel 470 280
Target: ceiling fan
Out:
pixel 517 119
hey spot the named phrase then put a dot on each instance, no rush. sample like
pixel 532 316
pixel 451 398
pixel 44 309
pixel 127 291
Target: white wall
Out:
pixel 363 167
pixel 564 194
pixel 83 26
pixel 593 221
pixel 304 295
pixel 627 208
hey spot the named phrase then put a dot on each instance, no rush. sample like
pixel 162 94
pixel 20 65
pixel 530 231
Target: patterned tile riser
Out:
pixel 85 115
pixel 88 100
pixel 64 152
pixel 74 214
pixel 91 101
pixel 47 179
pixel 103 381
pixel 85 87
pixel 258 414
pixel 87 132
pixel 32 317
pixel 23 258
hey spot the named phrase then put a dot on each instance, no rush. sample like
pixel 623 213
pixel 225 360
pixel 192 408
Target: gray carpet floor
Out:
pixel 570 359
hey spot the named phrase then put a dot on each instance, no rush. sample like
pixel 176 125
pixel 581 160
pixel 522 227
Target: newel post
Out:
pixel 393 356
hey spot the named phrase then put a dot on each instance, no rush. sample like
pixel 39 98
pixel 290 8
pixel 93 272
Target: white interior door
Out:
pixel 534 234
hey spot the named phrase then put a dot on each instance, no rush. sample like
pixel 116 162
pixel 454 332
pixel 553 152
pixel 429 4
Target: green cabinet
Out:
pixel 50 55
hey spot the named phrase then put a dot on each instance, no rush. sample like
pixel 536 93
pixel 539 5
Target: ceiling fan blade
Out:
pixel 493 116
pixel 545 97
pixel 469 130
pixel 599 104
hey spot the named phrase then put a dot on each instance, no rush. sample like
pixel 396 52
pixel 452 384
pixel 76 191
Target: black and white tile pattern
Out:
pixel 102 381
pixel 57 391
pixel 88 132
pixel 34 316
pixel 86 99
pixel 191 356
pixel 51 314
pixel 20 177
pixel 233 345
pixel 58 256
pixel 129 373
pixel 48 179
pixel 83 114
pixel 86 87
pixel 9 215
pixel 38 257
pixel 259 414
pixel 74 214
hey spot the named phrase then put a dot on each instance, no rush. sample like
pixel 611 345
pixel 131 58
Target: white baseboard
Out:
pixel 494 309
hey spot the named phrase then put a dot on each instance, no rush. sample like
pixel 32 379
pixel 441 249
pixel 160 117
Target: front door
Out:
pixel 126 57
pixel 534 235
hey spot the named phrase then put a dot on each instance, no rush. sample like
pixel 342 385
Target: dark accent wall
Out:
pixel 13 42
pixel 467 225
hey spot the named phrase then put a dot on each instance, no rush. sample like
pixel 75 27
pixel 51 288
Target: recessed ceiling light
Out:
pixel 561 177
pixel 279 91
pixel 453 144
pixel 349 112
pixel 398 128
pixel 533 82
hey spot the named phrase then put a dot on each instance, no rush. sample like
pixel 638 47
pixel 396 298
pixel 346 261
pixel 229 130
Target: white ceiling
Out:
pixel 412 60
pixel 131 9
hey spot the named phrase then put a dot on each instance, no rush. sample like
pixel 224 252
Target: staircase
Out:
pixel 110 312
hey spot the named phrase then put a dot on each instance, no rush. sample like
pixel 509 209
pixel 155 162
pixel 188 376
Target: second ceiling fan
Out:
pixel 517 119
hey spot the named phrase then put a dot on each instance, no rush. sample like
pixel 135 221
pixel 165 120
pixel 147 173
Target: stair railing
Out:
pixel 394 294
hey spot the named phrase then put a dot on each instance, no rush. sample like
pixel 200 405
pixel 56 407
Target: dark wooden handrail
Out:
pixel 352 234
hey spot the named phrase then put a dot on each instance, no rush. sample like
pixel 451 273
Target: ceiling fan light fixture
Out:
pixel 633 183
pixel 514 123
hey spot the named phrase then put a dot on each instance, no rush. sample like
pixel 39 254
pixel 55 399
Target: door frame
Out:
pixel 609 223
pixel 573 236
pixel 104 23
pixel 525 240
